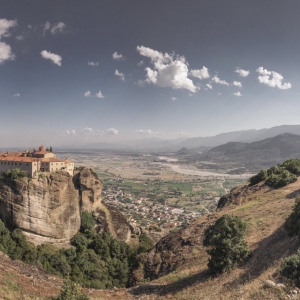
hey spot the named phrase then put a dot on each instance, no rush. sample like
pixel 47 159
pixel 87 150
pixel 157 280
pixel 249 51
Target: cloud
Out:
pixel 20 37
pixel 117 56
pixel 272 79
pixel 5 49
pixel 17 95
pixel 94 64
pixel 121 75
pixel 112 131
pixel 242 73
pixel 58 27
pixel 141 131
pixel 140 63
pixel 169 70
pixel 99 95
pixel 5 53
pixel 216 79
pixel 237 83
pixel 174 99
pixel 71 132
pixel 238 94
pixel 201 74
pixel 87 94
pixel 5 25
pixel 140 83
pixel 55 58
pixel 87 130
pixel 209 86
pixel 55 28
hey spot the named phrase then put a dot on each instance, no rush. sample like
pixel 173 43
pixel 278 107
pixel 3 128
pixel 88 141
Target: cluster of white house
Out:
pixel 35 162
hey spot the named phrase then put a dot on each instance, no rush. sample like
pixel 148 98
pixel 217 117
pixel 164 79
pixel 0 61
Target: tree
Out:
pixel 71 291
pixel 51 149
pixel 145 243
pixel 227 245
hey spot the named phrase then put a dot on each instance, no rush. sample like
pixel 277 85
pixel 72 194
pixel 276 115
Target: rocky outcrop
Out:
pixel 48 208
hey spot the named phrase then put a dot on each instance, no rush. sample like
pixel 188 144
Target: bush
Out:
pixel 282 179
pixel 292 223
pixel 145 243
pixel 71 291
pixel 261 176
pixel 227 245
pixel 278 176
pixel 290 268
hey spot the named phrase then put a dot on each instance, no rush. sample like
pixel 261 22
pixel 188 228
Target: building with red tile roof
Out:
pixel 34 163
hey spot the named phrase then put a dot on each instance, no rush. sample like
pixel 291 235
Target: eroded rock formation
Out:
pixel 48 208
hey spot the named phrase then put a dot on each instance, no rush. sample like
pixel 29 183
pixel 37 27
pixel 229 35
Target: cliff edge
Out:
pixel 48 208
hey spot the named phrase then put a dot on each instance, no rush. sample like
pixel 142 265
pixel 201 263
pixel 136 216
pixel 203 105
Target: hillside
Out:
pixel 259 154
pixel 177 265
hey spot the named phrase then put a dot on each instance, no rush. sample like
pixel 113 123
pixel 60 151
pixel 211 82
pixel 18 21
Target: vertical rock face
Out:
pixel 48 208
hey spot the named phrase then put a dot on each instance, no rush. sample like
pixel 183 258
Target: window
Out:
pixel 20 164
pixel 27 164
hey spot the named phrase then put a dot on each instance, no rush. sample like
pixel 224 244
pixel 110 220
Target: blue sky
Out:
pixel 101 71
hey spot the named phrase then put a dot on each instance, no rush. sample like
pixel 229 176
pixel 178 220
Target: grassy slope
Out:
pixel 265 212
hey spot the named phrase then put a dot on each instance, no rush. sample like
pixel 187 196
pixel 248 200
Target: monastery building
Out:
pixel 35 162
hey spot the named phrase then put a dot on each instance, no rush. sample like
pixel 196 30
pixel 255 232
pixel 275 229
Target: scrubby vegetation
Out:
pixel 292 223
pixel 227 245
pixel 278 176
pixel 95 260
pixel 14 174
pixel 290 267
pixel 71 291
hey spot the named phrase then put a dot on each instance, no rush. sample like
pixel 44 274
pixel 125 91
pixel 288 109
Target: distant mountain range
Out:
pixel 239 136
pixel 156 144
pixel 266 152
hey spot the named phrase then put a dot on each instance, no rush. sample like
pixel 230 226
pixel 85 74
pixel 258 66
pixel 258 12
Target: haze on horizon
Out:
pixel 78 72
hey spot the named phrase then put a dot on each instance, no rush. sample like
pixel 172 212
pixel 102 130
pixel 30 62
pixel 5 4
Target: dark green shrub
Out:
pixel 227 245
pixel 261 176
pixel 145 243
pixel 282 179
pixel 290 268
pixel 87 221
pixel 292 223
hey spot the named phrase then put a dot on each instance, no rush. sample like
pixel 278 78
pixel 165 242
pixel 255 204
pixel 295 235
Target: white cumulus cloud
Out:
pixel 272 79
pixel 17 95
pixel 5 25
pixel 169 70
pixel 237 83
pixel 117 56
pixel 112 131
pixel 140 63
pixel 99 95
pixel 174 99
pixel 5 49
pixel 71 132
pixel 209 86
pixel 93 63
pixel 216 79
pixel 121 75
pixel 242 73
pixel 55 58
pixel 238 94
pixel 87 94
pixel 201 73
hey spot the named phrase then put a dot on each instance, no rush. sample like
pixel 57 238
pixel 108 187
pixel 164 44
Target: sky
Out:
pixel 79 72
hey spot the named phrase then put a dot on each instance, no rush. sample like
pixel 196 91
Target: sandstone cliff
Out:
pixel 48 208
